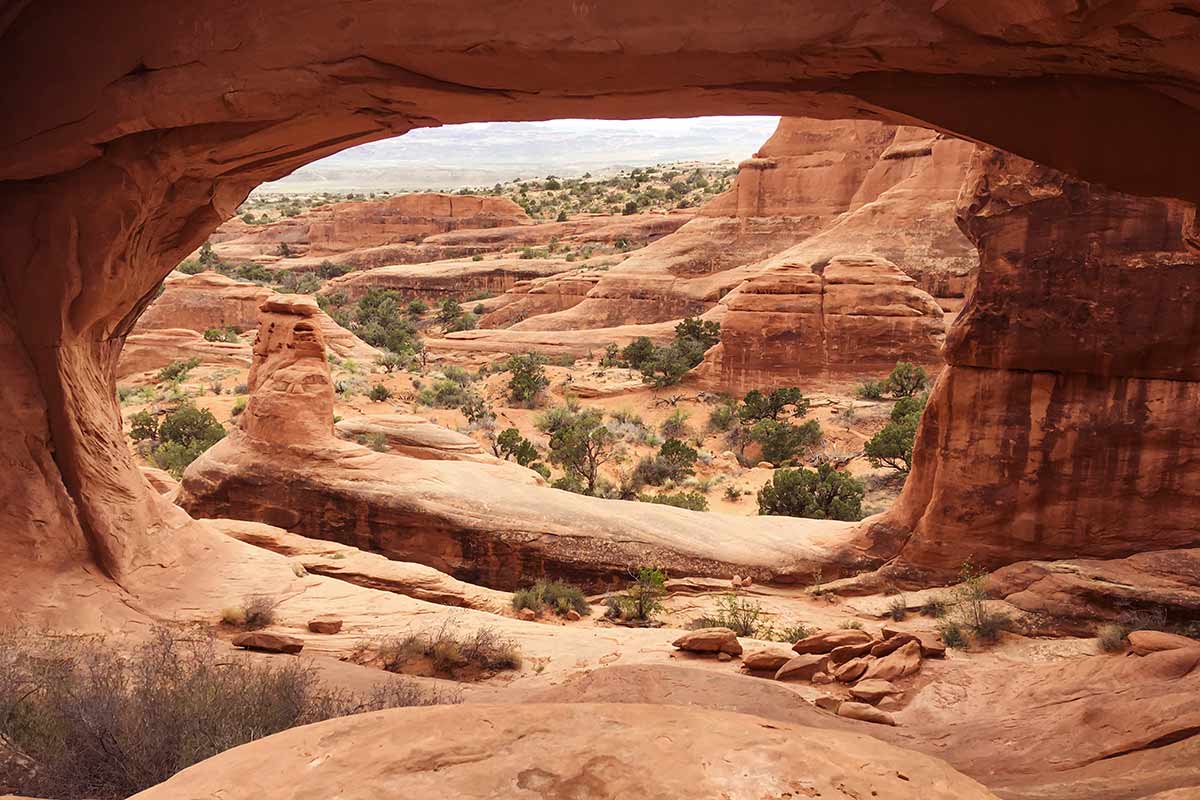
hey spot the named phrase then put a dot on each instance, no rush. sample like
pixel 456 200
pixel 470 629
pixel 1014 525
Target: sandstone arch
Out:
pixel 126 148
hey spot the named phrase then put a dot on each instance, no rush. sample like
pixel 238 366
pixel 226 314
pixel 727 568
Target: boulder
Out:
pixel 268 642
pixel 527 614
pixel 766 659
pixel 903 661
pixel 1145 642
pixel 826 641
pixel 828 703
pixel 724 657
pixel 872 690
pixel 802 667
pixel 840 655
pixel 852 670
pixel 326 623
pixel 710 640
pixel 892 644
pixel 864 713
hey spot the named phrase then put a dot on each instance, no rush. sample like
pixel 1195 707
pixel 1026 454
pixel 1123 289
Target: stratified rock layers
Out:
pixel 1066 423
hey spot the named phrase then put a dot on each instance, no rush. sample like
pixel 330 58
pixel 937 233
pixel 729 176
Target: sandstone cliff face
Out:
pixel 1065 423
pixel 171 328
pixel 852 317
pixel 334 229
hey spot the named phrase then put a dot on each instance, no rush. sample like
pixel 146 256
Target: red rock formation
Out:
pixel 452 278
pixel 340 227
pixel 492 524
pixel 1064 426
pixel 791 322
pixel 124 151
pixel 171 328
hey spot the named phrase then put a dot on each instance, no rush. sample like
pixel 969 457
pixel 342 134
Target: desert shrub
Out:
pixel 85 717
pixel 241 388
pixel 952 634
pixel 256 611
pixel 626 416
pixel 871 390
pixel 825 493
pixel 782 442
pixel 742 616
pixel 733 494
pixel 226 334
pixel 898 608
pixel 190 267
pixel 758 406
pixel 479 310
pixel 183 435
pixel 448 652
pixel 580 444
pixel 722 418
pixel 379 393
pixel 693 501
pixel 417 307
pixel 378 321
pixel 934 607
pixel 127 395
pixel 443 394
pixel 327 269
pixel 556 596
pixel 527 377
pixel 790 633
pixel 642 600
pixel 906 379
pixel 143 426
pixel 970 611
pixel 477 410
pixel 675 426
pixel 449 311
pixel 850 625
pixel 892 446
pixel 512 446
pixel 1110 638
pixel 638 352
pixel 458 375
pixel 465 322
pixel 391 362
pixel 176 371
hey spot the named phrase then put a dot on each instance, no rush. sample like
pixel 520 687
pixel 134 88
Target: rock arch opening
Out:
pixel 122 157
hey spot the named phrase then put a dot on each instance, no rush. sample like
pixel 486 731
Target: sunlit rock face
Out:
pixel 1065 424
pixel 849 318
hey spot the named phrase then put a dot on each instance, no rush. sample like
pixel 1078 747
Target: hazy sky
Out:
pixel 487 152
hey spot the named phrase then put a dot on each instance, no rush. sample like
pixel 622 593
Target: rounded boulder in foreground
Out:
pixel 565 750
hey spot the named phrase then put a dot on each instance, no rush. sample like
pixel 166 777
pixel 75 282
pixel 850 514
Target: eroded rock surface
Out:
pixel 1063 426
pixel 533 750
pixel 491 524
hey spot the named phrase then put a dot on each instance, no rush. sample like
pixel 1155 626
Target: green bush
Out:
pixel 379 393
pixel 143 426
pixel 758 406
pixel 693 501
pixel 556 596
pixel 465 322
pixel 528 377
pixel 638 352
pixel 512 446
pixel 449 653
pixel 183 435
pixel 892 446
pixel 675 426
pixel 105 720
pixel 443 394
pixel 782 442
pixel 226 334
pixel 327 269
pixel 871 390
pixel 742 616
pixel 906 379
pixel 825 493
pixel 722 418
pixel 177 371
pixel 417 307
pixel 642 600
pixel 580 444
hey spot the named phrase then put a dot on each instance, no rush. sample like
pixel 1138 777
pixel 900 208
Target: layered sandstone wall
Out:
pixel 852 317
pixel 1065 423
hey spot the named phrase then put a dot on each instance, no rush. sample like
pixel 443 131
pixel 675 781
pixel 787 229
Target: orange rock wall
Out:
pixel 1065 424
